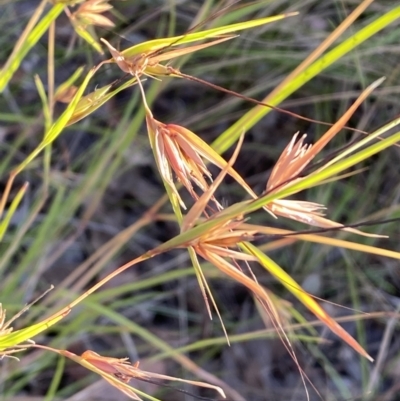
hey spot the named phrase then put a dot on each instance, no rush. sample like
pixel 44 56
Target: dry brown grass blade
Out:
pixel 199 206
pixel 339 125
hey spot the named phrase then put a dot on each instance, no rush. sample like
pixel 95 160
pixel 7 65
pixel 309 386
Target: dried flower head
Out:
pixel 148 63
pixel 6 328
pixel 180 151
pixel 19 342
pixel 177 151
pixel 293 160
pixel 119 372
pixel 89 13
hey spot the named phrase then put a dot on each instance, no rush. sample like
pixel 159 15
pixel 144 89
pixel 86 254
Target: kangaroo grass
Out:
pixel 227 236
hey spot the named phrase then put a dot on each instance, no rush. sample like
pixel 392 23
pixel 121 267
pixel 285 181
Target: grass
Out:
pixel 91 205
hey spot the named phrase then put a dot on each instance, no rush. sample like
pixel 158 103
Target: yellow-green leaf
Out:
pixel 158 44
pixel 11 210
pixel 58 126
pixel 88 37
pixel 91 102
pixel 287 281
pixel 230 136
pixel 17 337
pixel 29 41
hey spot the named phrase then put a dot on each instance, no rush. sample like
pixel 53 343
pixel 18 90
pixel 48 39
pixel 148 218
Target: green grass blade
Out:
pixel 158 44
pixel 16 58
pixel 91 102
pixel 87 36
pixel 69 82
pixel 23 335
pixel 45 101
pixel 11 210
pixel 290 284
pixel 231 135
pixel 58 126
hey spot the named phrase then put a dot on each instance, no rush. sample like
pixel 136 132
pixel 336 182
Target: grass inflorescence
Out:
pixel 239 162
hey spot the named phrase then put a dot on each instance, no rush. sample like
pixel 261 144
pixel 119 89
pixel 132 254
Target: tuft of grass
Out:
pixel 114 229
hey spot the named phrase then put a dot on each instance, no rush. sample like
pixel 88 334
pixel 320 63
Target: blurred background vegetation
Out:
pixel 80 221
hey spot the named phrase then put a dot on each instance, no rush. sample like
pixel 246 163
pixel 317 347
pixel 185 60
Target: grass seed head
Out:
pixel 89 13
pixel 122 371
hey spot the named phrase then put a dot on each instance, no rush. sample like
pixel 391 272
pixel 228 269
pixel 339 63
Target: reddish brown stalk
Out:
pixel 148 64
pixel 180 74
